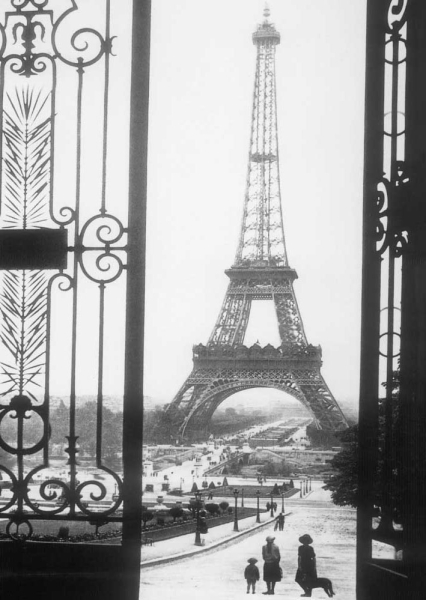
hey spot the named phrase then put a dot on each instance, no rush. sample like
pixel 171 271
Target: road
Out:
pixel 219 574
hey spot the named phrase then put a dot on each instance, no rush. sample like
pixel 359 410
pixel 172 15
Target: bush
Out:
pixel 64 532
pixel 229 510
pixel 223 505
pixel 212 508
pixel 176 512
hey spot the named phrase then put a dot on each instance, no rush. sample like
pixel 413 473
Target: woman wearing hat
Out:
pixel 307 568
pixel 271 567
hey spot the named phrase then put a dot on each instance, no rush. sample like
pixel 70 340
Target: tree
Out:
pixel 176 512
pixel 163 425
pixel 230 412
pixel 86 424
pixel 269 468
pixel 212 508
pixel 285 469
pixel 235 467
pixel 343 484
pixel 223 505
pixel 146 516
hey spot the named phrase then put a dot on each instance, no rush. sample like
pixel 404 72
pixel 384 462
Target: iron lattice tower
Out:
pixel 260 272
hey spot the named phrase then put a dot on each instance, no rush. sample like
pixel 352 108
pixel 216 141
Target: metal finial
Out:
pixel 266 11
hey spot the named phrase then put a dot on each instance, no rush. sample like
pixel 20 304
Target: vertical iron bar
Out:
pixel 413 309
pixel 22 336
pixel 386 512
pixel 133 391
pixel 72 442
pixel 370 300
pixel 106 112
pixel 99 403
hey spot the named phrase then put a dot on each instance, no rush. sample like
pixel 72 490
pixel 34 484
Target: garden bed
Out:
pixel 250 492
pixel 157 533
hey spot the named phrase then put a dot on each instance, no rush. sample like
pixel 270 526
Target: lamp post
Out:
pixel 242 497
pixel 282 501
pixel 258 508
pixel 272 504
pixel 236 509
pixel 115 496
pixel 197 531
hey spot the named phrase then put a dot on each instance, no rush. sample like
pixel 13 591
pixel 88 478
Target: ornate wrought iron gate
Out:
pixel 71 290
pixel 392 421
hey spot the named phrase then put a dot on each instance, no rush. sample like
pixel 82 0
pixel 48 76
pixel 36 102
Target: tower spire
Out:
pixel 261 241
pixel 266 11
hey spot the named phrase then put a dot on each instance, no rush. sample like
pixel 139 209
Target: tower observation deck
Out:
pixel 260 272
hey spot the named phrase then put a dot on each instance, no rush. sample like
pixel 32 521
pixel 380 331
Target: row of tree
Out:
pixel 87 422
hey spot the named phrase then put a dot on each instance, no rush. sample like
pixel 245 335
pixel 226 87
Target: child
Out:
pixel 251 573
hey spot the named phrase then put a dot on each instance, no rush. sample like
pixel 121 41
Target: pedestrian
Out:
pixel 279 522
pixel 306 565
pixel 275 506
pixel 268 506
pixel 271 568
pixel 251 574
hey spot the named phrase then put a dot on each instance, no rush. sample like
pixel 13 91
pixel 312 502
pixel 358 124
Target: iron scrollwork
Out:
pixel 393 210
pixel 34 45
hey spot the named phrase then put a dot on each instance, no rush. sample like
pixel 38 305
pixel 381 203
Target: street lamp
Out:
pixel 258 509
pixel 197 531
pixel 236 509
pixel 272 504
pixel 242 497
pixel 115 496
pixel 282 501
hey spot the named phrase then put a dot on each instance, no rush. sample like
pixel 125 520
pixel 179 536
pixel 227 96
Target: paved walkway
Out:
pixel 216 570
pixel 183 545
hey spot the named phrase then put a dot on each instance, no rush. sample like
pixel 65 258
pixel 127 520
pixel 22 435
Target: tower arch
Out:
pixel 202 413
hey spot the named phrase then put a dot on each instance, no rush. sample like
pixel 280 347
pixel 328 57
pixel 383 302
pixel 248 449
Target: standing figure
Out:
pixel 307 569
pixel 279 522
pixel 251 574
pixel 271 567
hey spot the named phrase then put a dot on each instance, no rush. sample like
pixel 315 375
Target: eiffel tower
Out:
pixel 260 272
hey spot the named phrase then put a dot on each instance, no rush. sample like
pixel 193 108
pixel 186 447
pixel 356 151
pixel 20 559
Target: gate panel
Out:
pixel 71 288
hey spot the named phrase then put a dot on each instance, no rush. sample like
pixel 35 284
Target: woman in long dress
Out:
pixel 271 567
pixel 306 565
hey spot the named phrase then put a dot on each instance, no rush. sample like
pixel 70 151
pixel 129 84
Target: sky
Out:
pixel 202 75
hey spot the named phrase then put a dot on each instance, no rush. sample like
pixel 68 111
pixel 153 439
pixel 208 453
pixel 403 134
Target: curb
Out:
pixel 225 542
